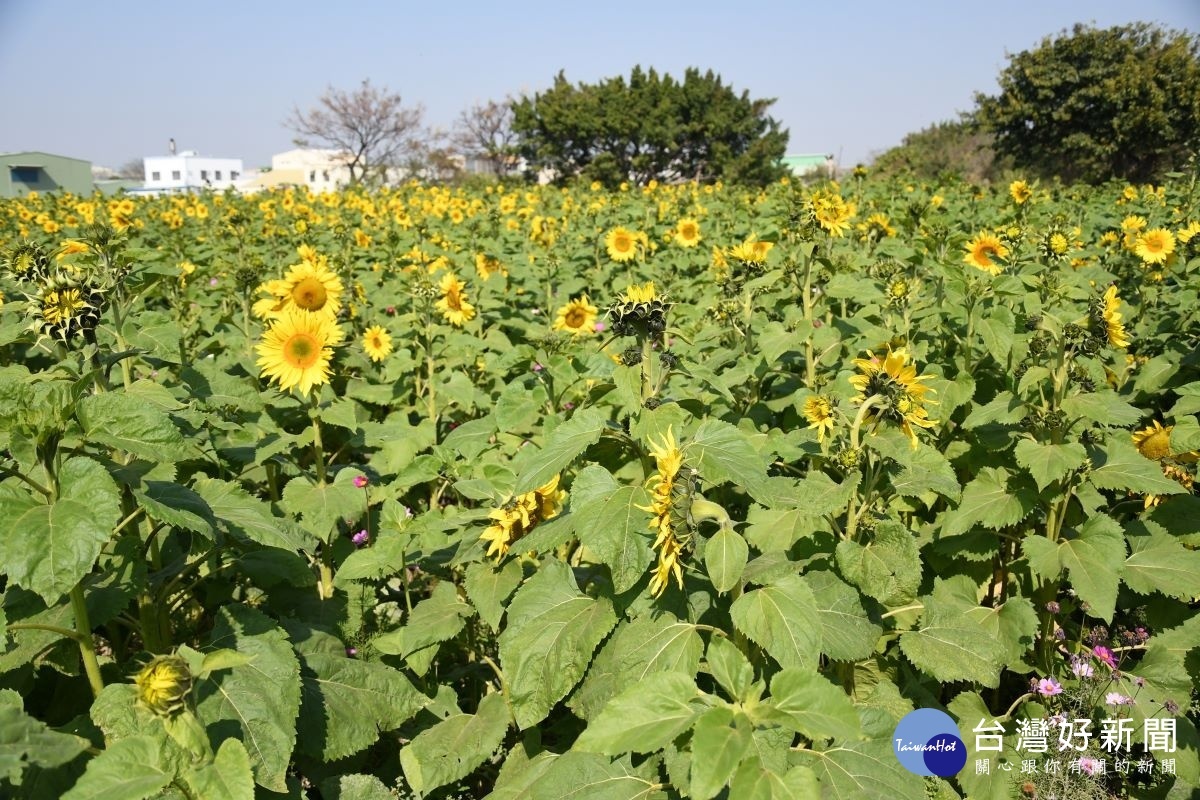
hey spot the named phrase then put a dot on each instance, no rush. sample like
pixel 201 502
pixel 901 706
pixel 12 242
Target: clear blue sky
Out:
pixel 114 80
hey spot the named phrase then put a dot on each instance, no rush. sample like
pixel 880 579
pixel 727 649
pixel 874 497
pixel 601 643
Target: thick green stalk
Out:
pixel 87 647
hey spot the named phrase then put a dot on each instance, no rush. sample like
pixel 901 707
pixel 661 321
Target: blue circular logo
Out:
pixel 927 742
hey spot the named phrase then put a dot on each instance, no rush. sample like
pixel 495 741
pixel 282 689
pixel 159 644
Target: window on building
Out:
pixel 25 174
pixel 325 175
pixel 203 174
pixel 233 175
pixel 175 175
pixel 312 176
pixel 156 176
pixel 217 174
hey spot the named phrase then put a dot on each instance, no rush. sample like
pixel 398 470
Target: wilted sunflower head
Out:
pixel 163 685
pixel 1154 441
pixel 520 514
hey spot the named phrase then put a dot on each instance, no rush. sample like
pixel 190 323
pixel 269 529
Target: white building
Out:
pixel 319 170
pixel 189 171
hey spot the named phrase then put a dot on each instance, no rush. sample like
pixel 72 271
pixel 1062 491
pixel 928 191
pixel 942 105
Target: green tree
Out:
pixel 956 148
pixel 1094 104
pixel 650 127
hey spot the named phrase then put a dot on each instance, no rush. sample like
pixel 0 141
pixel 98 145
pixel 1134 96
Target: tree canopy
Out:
pixel 650 127
pixel 1094 104
pixel 956 148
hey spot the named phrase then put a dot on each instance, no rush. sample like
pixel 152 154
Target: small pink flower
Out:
pixel 1105 655
pixel 568 405
pixel 1048 687
pixel 1117 699
pixel 212 282
pixel 537 367
pixel 360 481
pixel 599 326
pixel 1089 765
pixel 360 538
pixel 1082 669
pixel 352 651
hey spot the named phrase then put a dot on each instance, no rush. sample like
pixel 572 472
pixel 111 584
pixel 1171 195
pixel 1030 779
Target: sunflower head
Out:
pixel 830 211
pixel 687 232
pixel 377 343
pixel 1154 441
pixel 521 514
pixel 66 306
pixel 672 494
pixel 27 262
pixel 454 305
pixel 1106 317
pixel 577 317
pixel 984 250
pixel 296 349
pixel 818 410
pixel 312 286
pixel 1020 192
pixel 1155 246
pixel 164 684
pixel 640 311
pixel 898 391
pixel 622 244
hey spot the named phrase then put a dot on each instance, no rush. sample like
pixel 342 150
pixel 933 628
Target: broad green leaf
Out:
pixel 471 437
pixel 927 470
pixel 777 529
pixel 228 777
pixel 754 781
pixel 1094 556
pixel 355 787
pixel 489 586
pixel 1185 436
pixel 552 630
pixel 813 706
pixel 1118 465
pixel 1005 409
pixel 643 717
pixel 949 645
pixel 722 453
pixel 346 703
pixel 997 328
pixel 435 619
pixel 133 425
pixel 888 568
pixel 176 505
pixel 321 506
pixel 1013 624
pixel 26 741
pixel 725 555
pixel 719 741
pixel 1103 407
pixel 561 448
pixel 782 619
pixel 50 548
pixel 994 499
pixel 813 496
pixel 1049 462
pixel 1159 563
pixel 261 698
pixel 729 666
pixel 590 776
pixel 651 643
pixel 249 518
pixel 969 710
pixel 846 632
pixel 454 747
pixel 862 771
pixel 128 769
pixel 615 527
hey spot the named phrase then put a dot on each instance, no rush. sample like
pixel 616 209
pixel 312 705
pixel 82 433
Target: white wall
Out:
pixel 324 170
pixel 191 171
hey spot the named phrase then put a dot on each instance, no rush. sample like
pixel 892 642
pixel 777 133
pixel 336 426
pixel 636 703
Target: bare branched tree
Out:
pixel 370 125
pixel 133 169
pixel 485 132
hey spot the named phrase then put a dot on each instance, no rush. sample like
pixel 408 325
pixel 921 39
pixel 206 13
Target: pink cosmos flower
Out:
pixel 1105 655
pixel 360 481
pixel 1088 765
pixel 1048 687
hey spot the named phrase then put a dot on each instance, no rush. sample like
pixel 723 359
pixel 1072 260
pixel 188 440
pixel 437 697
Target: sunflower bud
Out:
pixel 163 685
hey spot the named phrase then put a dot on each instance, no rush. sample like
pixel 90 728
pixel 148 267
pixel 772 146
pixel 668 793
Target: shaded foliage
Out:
pixel 952 148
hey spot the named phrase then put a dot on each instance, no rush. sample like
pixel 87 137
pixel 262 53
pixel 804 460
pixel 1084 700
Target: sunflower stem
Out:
pixel 87 648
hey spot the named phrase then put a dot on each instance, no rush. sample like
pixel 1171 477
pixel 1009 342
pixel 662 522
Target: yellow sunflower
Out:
pixel 876 226
pixel 577 317
pixel 1020 192
pixel 1155 246
pixel 296 349
pixel 832 212
pixel 751 251
pixel 899 391
pixel 377 343
pixel 668 459
pixel 455 307
pixel 519 515
pixel 1117 335
pixel 687 232
pixel 1154 441
pixel 313 287
pixel 621 244
pixel 818 410
pixel 982 249
pixel 487 266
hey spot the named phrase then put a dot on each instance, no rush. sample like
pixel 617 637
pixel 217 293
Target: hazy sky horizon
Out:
pixel 110 82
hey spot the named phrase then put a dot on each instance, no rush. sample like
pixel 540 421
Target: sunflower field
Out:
pixel 530 492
